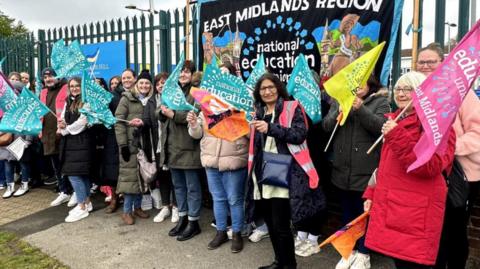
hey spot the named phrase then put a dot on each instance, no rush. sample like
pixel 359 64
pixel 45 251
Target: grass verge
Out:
pixel 15 253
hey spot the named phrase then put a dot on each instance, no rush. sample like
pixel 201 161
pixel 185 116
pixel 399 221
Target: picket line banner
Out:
pixel 330 34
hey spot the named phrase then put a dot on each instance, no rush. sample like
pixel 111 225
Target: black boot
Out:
pixel 237 242
pixel 190 231
pixel 274 265
pixel 220 238
pixel 178 229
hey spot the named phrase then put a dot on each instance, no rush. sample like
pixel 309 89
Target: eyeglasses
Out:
pixel 271 88
pixel 406 90
pixel 429 62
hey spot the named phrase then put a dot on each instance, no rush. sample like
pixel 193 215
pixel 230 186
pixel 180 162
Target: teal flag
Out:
pixel 68 61
pixel 257 72
pixel 303 88
pixel 229 88
pixel 38 84
pixel 104 117
pixel 172 95
pixel 98 100
pixel 7 95
pixel 24 116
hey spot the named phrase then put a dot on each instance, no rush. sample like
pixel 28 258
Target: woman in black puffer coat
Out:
pixel 77 148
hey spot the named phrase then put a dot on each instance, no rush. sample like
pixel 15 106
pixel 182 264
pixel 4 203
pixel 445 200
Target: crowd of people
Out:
pixel 411 219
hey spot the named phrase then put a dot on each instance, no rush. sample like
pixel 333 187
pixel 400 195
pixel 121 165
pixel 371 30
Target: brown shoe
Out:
pixel 128 218
pixel 113 206
pixel 141 214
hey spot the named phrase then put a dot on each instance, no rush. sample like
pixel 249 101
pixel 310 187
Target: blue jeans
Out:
pixel 188 192
pixel 131 201
pixel 2 173
pixel 10 171
pixel 228 192
pixel 81 186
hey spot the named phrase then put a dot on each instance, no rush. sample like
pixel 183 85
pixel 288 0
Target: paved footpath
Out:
pixel 103 241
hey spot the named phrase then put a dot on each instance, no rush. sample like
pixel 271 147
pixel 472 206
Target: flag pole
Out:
pixel 396 119
pixel 187 30
pixel 339 118
pixel 416 15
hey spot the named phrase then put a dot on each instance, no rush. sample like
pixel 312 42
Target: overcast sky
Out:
pixel 44 14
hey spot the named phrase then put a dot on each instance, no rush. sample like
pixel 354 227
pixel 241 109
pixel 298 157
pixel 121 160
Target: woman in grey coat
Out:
pixel 352 166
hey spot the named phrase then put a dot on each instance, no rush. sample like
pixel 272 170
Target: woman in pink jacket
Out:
pixel 407 209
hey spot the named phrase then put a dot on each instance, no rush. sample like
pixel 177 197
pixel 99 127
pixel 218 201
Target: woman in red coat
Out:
pixel 407 209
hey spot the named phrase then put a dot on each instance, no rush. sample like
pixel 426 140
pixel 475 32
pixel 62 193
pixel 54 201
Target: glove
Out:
pixel 125 153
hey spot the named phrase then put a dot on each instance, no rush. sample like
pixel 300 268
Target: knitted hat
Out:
pixel 48 71
pixel 145 74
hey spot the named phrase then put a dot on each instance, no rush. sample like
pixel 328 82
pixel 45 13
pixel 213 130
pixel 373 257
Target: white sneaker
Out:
pixel 9 191
pixel 89 207
pixel 362 261
pixel 298 242
pixel 22 190
pixel 61 198
pixel 108 199
pixel 165 212
pixel 175 216
pixel 73 200
pixel 346 263
pixel 257 235
pixel 2 187
pixel 76 214
pixel 307 249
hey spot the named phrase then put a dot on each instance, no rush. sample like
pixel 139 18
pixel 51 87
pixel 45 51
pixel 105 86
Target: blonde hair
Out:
pixel 412 79
pixel 136 92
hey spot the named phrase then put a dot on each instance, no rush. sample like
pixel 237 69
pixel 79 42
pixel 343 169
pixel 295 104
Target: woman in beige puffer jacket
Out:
pixel 226 166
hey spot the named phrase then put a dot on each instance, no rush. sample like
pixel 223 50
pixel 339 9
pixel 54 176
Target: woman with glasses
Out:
pixel 352 167
pixel 77 149
pixel 406 209
pixel 429 58
pixel 280 128
pixel 453 251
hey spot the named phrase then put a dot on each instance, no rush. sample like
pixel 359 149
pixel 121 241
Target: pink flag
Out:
pixel 439 97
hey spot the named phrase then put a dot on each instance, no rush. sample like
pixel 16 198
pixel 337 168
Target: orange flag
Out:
pixel 223 121
pixel 344 239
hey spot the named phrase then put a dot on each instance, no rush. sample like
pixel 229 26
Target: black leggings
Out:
pixel 276 212
pixel 164 179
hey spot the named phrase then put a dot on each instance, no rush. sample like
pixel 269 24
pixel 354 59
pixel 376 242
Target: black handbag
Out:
pixel 275 169
pixel 458 187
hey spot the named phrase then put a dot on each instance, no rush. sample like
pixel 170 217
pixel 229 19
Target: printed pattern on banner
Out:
pixel 98 100
pixel 172 95
pixel 302 87
pixel 439 97
pixel 229 88
pixel 68 61
pixel 24 116
pixel 343 85
pixel 330 34
pixel 7 95
pixel 223 121
pixel 257 72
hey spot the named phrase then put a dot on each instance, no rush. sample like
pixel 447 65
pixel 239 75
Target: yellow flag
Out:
pixel 343 85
